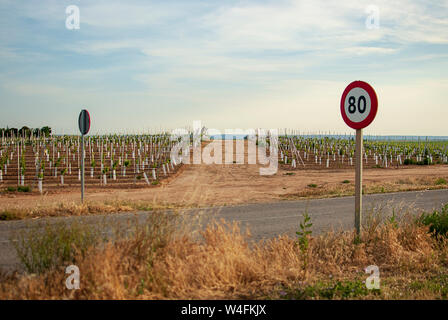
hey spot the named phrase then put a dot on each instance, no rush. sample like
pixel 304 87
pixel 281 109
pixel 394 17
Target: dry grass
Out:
pixel 75 208
pixel 348 189
pixel 159 262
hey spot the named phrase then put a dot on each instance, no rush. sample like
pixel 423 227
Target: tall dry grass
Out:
pixel 157 261
pixel 348 189
pixel 76 208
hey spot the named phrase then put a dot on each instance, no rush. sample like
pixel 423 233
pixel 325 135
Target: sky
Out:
pixel 140 66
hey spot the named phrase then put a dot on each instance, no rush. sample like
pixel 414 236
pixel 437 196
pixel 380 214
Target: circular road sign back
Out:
pixel 359 104
pixel 84 122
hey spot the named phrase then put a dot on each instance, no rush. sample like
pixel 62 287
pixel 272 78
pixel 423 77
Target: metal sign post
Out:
pixel 358 181
pixel 84 127
pixel 359 105
pixel 82 168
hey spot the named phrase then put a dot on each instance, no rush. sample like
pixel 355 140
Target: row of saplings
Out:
pixel 105 172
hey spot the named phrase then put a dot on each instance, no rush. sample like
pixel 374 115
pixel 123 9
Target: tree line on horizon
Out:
pixel 25 132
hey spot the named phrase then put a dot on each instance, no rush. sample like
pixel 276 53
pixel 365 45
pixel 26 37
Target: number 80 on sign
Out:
pixel 359 104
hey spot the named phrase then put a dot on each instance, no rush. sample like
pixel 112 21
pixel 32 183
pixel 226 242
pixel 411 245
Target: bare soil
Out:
pixel 231 184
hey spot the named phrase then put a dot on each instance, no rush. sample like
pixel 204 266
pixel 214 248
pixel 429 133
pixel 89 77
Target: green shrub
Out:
pixel 346 181
pixel 331 290
pixel 11 189
pixel 46 247
pixel 437 284
pixel 7 215
pixel 437 221
pixel 424 162
pixel 23 189
pixel 303 237
pixel 344 290
pixel 312 185
pixel 155 182
pixel 440 181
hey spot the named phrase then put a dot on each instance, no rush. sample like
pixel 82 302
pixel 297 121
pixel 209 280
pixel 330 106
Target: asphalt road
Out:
pixel 265 220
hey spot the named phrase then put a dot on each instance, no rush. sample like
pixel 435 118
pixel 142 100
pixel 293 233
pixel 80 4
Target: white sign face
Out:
pixel 357 104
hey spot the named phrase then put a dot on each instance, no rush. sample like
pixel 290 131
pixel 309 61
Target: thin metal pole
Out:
pixel 358 182
pixel 18 163
pixel 82 168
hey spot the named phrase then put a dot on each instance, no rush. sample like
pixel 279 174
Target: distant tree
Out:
pixel 24 131
pixel 45 131
pixel 13 132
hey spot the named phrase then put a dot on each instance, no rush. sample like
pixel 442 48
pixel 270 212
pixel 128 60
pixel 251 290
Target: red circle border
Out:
pixel 373 104
pixel 88 115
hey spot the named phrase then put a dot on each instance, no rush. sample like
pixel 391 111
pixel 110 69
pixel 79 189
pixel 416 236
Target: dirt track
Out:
pixel 207 185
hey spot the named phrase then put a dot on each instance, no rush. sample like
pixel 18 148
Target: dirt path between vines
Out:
pixel 209 185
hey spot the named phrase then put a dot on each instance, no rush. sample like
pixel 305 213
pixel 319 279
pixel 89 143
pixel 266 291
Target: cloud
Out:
pixel 269 61
pixel 122 15
pixel 99 47
pixel 369 50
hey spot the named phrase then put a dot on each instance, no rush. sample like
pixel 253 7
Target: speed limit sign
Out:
pixel 84 127
pixel 359 104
